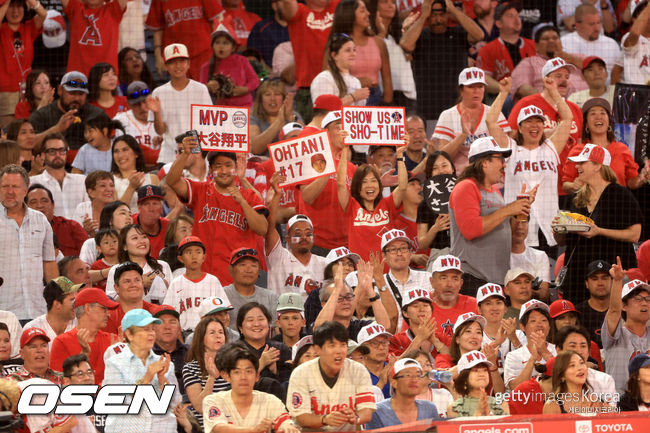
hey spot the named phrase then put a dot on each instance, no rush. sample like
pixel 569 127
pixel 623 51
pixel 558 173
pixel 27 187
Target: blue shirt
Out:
pixel 375 380
pixel 385 416
pixel 89 159
pixel 126 368
pixel 265 36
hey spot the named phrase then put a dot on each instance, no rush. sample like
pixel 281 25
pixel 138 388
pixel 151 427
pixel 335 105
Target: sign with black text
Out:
pixel 378 126
pixel 303 158
pixel 221 128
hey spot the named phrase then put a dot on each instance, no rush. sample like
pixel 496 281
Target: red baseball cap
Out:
pixel 30 333
pixel 328 102
pixel 560 307
pixel 549 367
pixel 189 241
pixel 590 59
pixel 93 295
pixel 240 253
pixel 166 309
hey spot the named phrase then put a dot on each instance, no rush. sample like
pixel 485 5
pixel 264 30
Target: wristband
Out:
pixel 322 419
pixel 400 159
pixel 374 298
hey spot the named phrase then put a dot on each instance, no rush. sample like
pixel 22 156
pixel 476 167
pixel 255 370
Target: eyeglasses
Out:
pixel 138 94
pixel 52 152
pixel 410 376
pixel 639 298
pixel 383 343
pixel 76 84
pixel 348 297
pixel 400 250
pixel 79 374
pixel 499 157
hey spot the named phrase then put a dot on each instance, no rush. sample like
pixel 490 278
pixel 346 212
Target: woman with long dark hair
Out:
pixel 351 17
pixel 115 215
pixel 340 52
pixel 22 132
pixel 128 168
pixel 637 391
pixel 133 68
pixel 38 93
pixel 102 89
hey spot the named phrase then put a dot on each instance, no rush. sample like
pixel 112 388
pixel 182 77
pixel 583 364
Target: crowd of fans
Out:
pixel 131 256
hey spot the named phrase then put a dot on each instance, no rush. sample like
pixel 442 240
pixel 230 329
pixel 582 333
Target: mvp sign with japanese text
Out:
pixel 221 128
pixel 374 125
pixel 303 158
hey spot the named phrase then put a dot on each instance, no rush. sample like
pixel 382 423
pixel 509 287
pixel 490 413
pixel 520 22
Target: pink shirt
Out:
pixel 240 71
pixel 529 70
pixel 368 61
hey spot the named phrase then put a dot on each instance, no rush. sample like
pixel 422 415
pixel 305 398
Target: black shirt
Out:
pixel 428 217
pixel 49 115
pixel 178 358
pixel 592 321
pixel 437 61
pixel 284 369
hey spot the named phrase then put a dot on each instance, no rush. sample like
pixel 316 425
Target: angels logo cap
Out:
pixel 560 307
pixel 175 51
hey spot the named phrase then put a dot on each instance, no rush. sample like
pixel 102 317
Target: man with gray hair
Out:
pixel 30 253
pixel 91 307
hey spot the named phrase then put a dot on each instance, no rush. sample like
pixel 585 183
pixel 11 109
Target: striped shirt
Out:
pixel 192 375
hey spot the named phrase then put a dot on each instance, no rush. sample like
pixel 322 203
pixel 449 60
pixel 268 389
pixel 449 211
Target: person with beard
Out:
pixel 69 233
pixel 527 78
pixel 484 11
pixel 91 308
pixel 68 190
pixel 66 115
pixel 295 268
pixel 208 200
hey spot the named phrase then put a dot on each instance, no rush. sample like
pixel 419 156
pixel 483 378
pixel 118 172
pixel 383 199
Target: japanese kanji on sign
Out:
pixel 436 192
pixel 379 126
pixel 303 158
pixel 221 128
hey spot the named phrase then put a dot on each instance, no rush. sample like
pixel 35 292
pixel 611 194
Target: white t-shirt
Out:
pixel 288 274
pixel 604 47
pixel 401 72
pixel 176 112
pixel 82 210
pixel 534 261
pixel 449 127
pixel 42 323
pixel 636 61
pixel 66 198
pixel 144 133
pixel 324 84
pixel 532 167
pixel 583 96
pixel 602 384
pixel 516 360
pixel 219 408
pixel 15 330
pixel 185 296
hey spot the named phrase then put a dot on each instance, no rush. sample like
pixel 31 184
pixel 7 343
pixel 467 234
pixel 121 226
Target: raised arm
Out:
pixel 288 9
pixel 386 79
pixel 272 236
pixel 613 315
pixel 402 177
pixel 492 117
pixel 341 180
pixel 639 25
pixel 561 134
pixel 474 32
pixel 411 36
pixel 41 12
pixel 174 178
pixel 327 313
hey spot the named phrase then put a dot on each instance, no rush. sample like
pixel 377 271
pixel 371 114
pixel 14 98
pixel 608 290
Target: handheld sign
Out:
pixel 303 158
pixel 379 126
pixel 436 192
pixel 221 128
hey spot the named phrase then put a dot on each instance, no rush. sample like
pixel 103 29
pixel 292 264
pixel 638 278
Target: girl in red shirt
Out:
pixel 102 89
pixel 368 214
pixel 38 93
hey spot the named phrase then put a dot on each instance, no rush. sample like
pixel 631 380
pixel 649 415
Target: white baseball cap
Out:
pixel 485 146
pixel 54 30
pixel 341 253
pixel 594 153
pixel 514 273
pixel 471 76
pixel 213 305
pixel 472 359
pixel 298 218
pixel 488 290
pixel 330 117
pixel 634 4
pixel 372 331
pixel 394 235
pixel 554 64
pixel 529 111
pixel 632 286
pixel 446 263
pixel 413 295
pixel 309 339
pixel 533 304
pixel 288 128
pixel 403 364
pixel 469 317
pixel 175 51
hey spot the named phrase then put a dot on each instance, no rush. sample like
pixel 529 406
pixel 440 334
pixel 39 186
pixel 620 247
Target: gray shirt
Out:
pixel 620 349
pixel 264 296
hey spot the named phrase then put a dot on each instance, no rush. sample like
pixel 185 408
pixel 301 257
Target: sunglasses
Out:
pixel 76 84
pixel 243 253
pixel 138 94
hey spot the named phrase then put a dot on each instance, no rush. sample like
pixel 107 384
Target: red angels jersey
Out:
pixel 402 340
pixel 241 21
pixel 94 35
pixel 262 183
pixel 220 221
pixel 185 295
pixel 446 318
pixel 495 59
pixel 308 393
pixel 365 229
pixel 410 227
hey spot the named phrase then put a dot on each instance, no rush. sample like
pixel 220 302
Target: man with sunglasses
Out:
pixel 67 114
pixel 141 119
pixel 245 269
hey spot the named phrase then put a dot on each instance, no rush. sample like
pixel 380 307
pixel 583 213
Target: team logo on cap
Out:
pixel 214 412
pixel 296 400
pixel 175 50
pixel 566 305
pixel 149 191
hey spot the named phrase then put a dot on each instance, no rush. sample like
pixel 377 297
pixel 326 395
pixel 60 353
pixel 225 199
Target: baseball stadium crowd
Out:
pixel 496 263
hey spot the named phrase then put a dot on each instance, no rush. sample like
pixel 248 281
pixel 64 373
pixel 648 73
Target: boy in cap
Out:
pixel 593 310
pixel 519 290
pixel 186 291
pixel 176 96
pixel 59 297
pixel 290 319
pixel 624 339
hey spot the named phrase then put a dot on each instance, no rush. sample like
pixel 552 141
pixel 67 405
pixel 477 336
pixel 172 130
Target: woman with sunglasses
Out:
pixel 336 79
pixel 102 88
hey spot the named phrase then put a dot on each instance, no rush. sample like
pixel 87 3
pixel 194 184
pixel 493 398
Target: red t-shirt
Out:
pixel 365 229
pixel 551 122
pixel 94 34
pixel 495 59
pixel 23 110
pixel 17 53
pixel 308 31
pixel 241 21
pixel 157 241
pixel 71 235
pixel 533 405
pixel 115 316
pixel 98 265
pixel 220 221
pixel 446 318
pixel 402 340
pixel 410 227
pixel 118 106
pixel 265 170
pixel 66 345
pixel 622 163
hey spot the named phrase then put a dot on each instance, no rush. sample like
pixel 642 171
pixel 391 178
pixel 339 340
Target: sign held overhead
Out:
pixel 221 128
pixel 378 126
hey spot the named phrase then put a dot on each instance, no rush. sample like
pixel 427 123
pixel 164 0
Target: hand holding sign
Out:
pixel 303 158
pixel 221 128
pixel 379 126
pixel 436 192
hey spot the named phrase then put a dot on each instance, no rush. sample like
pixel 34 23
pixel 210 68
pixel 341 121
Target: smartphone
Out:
pixel 194 133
